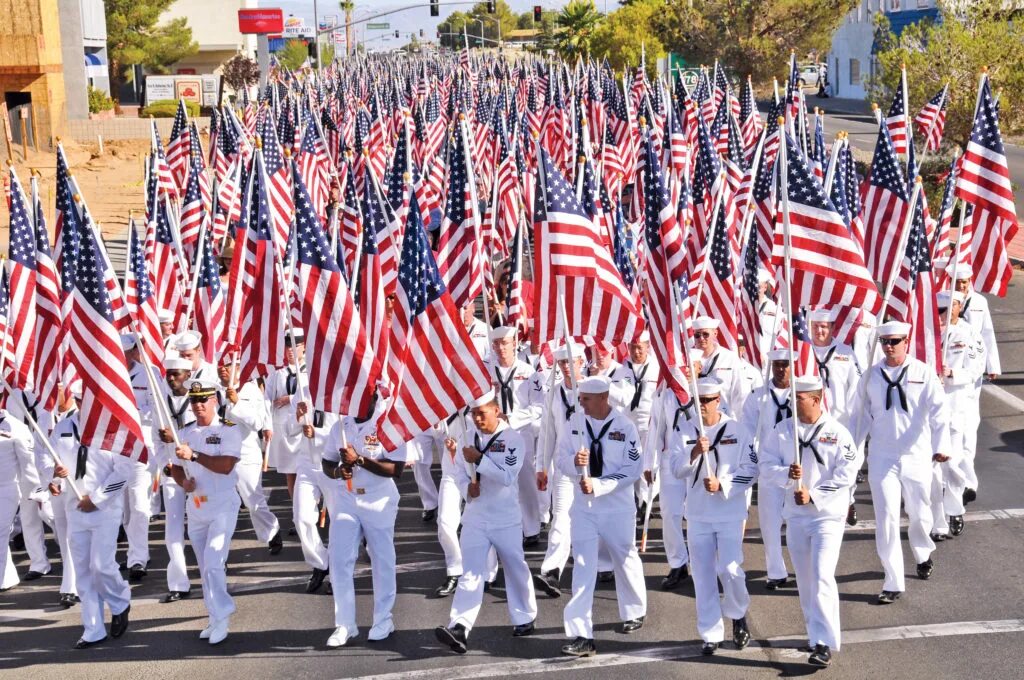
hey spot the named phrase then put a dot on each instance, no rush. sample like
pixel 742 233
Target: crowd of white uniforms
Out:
pixel 581 448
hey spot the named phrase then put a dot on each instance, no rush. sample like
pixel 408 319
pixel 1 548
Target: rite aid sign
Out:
pixel 261 20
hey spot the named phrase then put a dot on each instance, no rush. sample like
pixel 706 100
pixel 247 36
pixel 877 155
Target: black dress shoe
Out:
pixel 775 583
pixel 821 657
pixel 938 538
pixel 136 573
pixel 291 532
pixel 925 569
pixel 316 579
pixel 32 576
pixel 85 644
pixel 740 633
pixel 605 576
pixel 18 543
pixel 675 576
pixel 581 646
pixel 176 595
pixel 119 623
pixel 970 495
pixel 68 600
pixel 548 582
pixel 328 588
pixel 956 525
pixel 489 585
pixel 451 583
pixel 632 626
pixel 454 637
pixel 860 477
pixel 709 648
pixel 276 543
pixel 851 515
pixel 429 515
pixel 530 541
pixel 888 596
pixel 523 629
pixel 641 512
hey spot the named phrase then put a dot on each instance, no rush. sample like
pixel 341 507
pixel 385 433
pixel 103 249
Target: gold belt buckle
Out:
pixel 360 491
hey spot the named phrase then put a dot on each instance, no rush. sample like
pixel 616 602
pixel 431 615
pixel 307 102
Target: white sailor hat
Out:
pixel 708 387
pixel 898 328
pixel 165 316
pixel 763 276
pixel 808 383
pixel 645 336
pixel 129 340
pixel 943 298
pixel 780 354
pixel 300 336
pixel 75 388
pixel 186 341
pixel 501 332
pixel 705 322
pixel 821 315
pixel 562 353
pixel 940 263
pixel 174 362
pixel 595 384
pixel 484 399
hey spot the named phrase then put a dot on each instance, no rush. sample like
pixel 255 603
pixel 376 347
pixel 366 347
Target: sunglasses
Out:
pixel 708 400
pixel 891 342
pixel 702 334
pixel 199 400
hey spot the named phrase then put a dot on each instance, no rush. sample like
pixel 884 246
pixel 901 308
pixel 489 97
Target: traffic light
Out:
pixel 396 34
pixel 421 32
pixel 491 9
pixel 311 50
pixel 435 10
pixel 536 12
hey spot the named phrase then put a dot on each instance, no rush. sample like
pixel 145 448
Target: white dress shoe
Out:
pixel 219 632
pixel 339 638
pixel 205 634
pixel 382 631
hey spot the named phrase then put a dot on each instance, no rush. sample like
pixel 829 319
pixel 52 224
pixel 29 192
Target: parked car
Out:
pixel 809 75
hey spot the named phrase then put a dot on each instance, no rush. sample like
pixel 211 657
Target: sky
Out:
pixel 407 21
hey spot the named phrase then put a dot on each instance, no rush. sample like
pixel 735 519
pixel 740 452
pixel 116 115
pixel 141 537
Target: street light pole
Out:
pixel 316 40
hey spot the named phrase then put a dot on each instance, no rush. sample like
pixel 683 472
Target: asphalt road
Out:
pixel 966 622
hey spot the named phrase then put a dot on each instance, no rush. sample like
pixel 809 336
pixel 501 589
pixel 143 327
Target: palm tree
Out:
pixel 578 21
pixel 347 6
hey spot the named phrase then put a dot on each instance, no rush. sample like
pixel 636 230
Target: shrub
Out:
pixel 99 100
pixel 166 108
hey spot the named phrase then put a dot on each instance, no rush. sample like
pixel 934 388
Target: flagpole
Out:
pixel 190 305
pixel 694 394
pixel 711 239
pixel 471 181
pixel 953 275
pixel 833 161
pixel 581 470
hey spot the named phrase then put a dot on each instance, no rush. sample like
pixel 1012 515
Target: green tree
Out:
pixel 451 30
pixel 750 36
pixel 969 37
pixel 292 55
pixel 133 37
pixel 578 20
pixel 627 33
pixel 549 30
pixel 326 54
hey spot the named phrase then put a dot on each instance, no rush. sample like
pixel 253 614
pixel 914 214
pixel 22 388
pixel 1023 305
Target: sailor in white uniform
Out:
pixel 719 363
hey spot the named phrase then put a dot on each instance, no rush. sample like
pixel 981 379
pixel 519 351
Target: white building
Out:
pixel 851 61
pixel 214 25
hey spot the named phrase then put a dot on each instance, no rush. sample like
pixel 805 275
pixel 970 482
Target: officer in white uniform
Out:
pixel 19 479
pixel 205 469
pixel 559 407
pixel 365 505
pixel 964 365
pixel 34 515
pixel 815 476
pixel 175 395
pixel 491 457
pixel 63 503
pixel 905 414
pixel 718 467
pixel 477 329
pixel 975 311
pixel 93 521
pixel 604 459
pixel 519 390
pixel 139 490
pixel 638 381
pixel 244 408
pixel 719 363
pixel 763 411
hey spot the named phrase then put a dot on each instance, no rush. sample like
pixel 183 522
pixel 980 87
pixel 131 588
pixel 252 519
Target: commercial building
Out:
pixel 214 25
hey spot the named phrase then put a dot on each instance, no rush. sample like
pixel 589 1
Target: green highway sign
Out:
pixel 382 26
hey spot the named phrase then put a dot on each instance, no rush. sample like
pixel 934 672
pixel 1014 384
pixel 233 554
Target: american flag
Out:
pixel 941 244
pixel 158 166
pixel 210 301
pixel 7 342
pixel 48 314
pixel 370 297
pixel 379 219
pixel 342 367
pixel 22 268
pixel 459 245
pixel 984 182
pixel 708 186
pixel 165 260
pixel 886 204
pixel 827 267
pixel 140 295
pixel 717 292
pixel 749 319
pixel 931 121
pixel 515 306
pixel 278 187
pixel 179 148
pixel 570 261
pixel 762 231
pixel 818 152
pixel 109 415
pixel 803 347
pixel 440 371
pixel 350 222
pixel 896 121
pixel 750 119
pixel 193 212
pixel 315 169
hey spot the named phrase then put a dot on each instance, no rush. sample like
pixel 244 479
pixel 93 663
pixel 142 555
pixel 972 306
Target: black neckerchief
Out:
pixel 638 385
pixel 291 382
pixel 83 454
pixel 179 414
pixel 682 410
pixel 505 388
pixel 596 448
pixel 485 447
pixel 713 449
pixel 31 409
pixel 964 306
pixel 760 310
pixel 823 369
pixel 782 410
pixel 894 384
pixel 569 408
pixel 705 370
pixel 809 444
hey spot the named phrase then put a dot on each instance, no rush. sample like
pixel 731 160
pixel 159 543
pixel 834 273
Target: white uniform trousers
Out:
pixel 529 496
pixel 210 528
pixel 947 495
pixel 137 507
pixel 34 517
pixel 814 544
pixel 559 534
pixel 174 535
pixel 673 496
pixel 716 554
pixel 308 491
pixel 478 543
pixel 353 518
pixel 769 517
pixel 10 495
pixel 617 533
pixel 887 481
pixel 250 488
pixel 62 504
pixel 93 541
pixel 968 442
pixel 425 484
pixel 449 515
